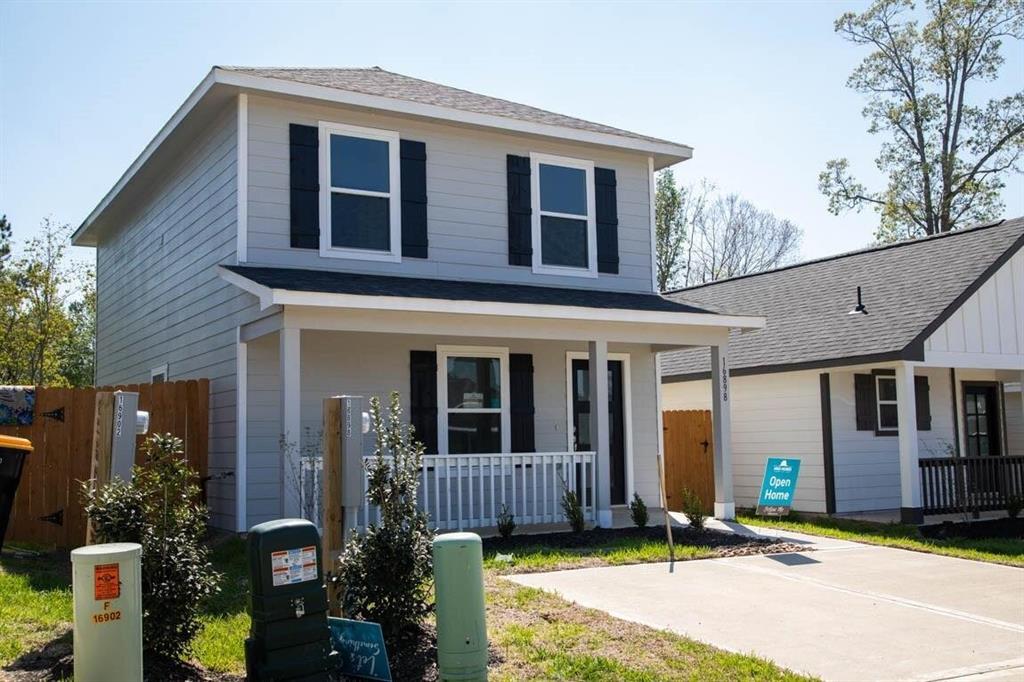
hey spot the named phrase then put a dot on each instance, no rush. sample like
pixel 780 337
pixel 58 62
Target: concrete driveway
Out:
pixel 845 611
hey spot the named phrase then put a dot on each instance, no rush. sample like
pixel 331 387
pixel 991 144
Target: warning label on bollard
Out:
pixel 107 581
pixel 293 566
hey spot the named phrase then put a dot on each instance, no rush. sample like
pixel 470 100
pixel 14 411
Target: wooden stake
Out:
pixel 334 515
pixel 664 508
pixel 102 447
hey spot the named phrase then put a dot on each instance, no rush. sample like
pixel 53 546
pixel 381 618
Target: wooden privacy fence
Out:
pixel 689 457
pixel 969 484
pixel 47 509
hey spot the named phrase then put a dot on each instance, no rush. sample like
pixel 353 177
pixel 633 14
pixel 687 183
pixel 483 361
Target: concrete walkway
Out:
pixel 845 611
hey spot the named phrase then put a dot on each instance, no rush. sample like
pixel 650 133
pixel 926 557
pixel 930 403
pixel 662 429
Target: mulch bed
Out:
pixel 987 528
pixel 722 543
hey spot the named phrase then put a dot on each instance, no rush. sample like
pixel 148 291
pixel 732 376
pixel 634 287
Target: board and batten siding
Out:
pixel 159 300
pixel 990 322
pixel 370 364
pixel 773 415
pixel 466 198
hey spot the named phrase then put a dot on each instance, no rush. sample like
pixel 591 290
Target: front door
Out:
pixel 616 420
pixel 981 428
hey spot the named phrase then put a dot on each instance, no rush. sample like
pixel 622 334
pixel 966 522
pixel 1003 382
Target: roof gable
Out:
pixel 909 289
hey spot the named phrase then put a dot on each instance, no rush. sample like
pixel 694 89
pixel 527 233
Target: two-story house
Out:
pixel 293 234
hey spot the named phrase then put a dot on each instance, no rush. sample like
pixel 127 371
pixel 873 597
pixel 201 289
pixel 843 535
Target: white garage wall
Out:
pixel 773 415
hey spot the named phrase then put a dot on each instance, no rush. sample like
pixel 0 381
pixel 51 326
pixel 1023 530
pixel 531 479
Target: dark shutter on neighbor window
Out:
pixel 865 402
pixel 520 389
pixel 607 221
pixel 924 410
pixel 414 199
pixel 520 249
pixel 423 397
pixel 305 186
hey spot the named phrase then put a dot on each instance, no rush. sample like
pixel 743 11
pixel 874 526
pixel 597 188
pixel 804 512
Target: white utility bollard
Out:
pixel 107 584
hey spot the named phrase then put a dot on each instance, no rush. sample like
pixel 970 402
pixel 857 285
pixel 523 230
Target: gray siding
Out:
pixel 466 193
pixel 160 301
pixel 337 363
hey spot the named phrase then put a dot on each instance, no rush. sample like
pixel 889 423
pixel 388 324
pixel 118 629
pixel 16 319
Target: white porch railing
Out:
pixel 468 491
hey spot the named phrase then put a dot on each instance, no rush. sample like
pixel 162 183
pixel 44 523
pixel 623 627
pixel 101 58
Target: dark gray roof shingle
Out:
pixel 906 286
pixel 292 279
pixel 377 81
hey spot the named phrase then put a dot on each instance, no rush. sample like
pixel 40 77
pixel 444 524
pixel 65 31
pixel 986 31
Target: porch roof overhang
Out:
pixel 390 303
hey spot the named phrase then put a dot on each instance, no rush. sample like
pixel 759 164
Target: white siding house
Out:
pixel 294 234
pixel 939 357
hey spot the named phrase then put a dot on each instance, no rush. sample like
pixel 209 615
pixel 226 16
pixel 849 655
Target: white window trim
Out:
pixel 627 413
pixel 443 353
pixel 538 265
pixel 394 254
pixel 157 371
pixel 879 402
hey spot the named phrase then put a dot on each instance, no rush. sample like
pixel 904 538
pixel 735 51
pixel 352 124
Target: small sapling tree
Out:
pixel 160 510
pixel 385 573
pixel 638 511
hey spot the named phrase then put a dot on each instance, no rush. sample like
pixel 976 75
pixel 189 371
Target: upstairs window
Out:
pixel 564 227
pixel 359 193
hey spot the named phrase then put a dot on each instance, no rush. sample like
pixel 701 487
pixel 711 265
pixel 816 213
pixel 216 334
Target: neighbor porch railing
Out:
pixel 966 484
pixel 461 492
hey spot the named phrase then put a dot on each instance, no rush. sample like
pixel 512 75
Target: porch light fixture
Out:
pixel 859 309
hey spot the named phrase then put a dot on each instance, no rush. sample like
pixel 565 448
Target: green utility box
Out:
pixel 459 597
pixel 289 638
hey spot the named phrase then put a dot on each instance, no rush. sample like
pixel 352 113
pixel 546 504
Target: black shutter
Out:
pixel 520 250
pixel 607 221
pixel 414 199
pixel 865 402
pixel 924 410
pixel 305 186
pixel 423 397
pixel 520 389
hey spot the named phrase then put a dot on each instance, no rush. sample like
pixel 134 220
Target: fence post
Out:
pixel 333 514
pixel 102 447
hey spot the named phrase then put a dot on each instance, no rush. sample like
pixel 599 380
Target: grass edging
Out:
pixel 1007 551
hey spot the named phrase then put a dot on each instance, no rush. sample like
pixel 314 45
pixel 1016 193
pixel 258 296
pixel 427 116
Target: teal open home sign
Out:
pixel 360 648
pixel 778 487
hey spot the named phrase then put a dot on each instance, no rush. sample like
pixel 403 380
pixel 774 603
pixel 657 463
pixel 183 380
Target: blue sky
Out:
pixel 757 88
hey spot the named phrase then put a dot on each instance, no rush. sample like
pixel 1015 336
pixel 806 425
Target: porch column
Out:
pixel 291 421
pixel 910 476
pixel 725 503
pixel 599 430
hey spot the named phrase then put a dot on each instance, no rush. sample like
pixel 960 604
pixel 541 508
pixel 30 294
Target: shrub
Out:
pixel 1014 506
pixel 693 507
pixel 506 522
pixel 385 573
pixel 638 511
pixel 159 509
pixel 571 508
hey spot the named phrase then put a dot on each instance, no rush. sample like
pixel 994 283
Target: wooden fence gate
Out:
pixel 46 507
pixel 689 458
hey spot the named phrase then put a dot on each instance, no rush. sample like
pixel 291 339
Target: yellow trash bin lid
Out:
pixel 15 443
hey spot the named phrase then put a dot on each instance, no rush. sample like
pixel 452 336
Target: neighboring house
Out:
pixel 931 368
pixel 294 234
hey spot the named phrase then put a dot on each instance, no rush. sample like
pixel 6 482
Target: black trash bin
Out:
pixel 12 461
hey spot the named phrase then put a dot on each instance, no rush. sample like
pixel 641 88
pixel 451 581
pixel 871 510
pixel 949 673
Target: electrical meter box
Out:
pixel 289 638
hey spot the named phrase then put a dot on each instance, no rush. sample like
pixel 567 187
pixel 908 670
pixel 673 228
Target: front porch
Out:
pixel 500 392
pixel 981 466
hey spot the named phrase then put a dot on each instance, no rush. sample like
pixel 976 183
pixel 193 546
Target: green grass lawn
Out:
pixel 996 550
pixel 536 635
pixel 629 550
